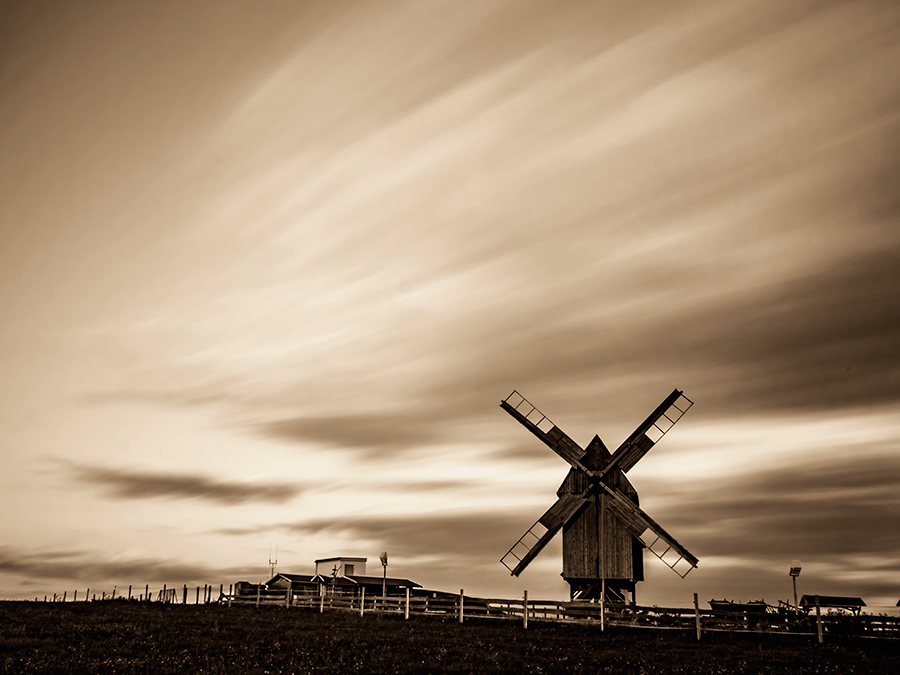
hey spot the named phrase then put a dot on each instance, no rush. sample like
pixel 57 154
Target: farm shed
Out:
pixel 351 585
pixel 298 583
pixel 854 605
pixel 340 566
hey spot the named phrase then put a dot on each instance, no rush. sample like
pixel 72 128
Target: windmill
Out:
pixel 604 529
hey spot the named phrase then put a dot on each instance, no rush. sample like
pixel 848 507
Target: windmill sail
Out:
pixel 648 434
pixel 537 423
pixel 659 542
pixel 540 534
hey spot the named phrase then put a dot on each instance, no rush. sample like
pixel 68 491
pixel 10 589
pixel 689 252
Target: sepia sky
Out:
pixel 268 268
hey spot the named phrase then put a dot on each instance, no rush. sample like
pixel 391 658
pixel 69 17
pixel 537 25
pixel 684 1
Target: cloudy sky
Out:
pixel 267 270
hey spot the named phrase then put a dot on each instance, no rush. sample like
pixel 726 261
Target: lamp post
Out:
pixel 384 574
pixel 795 572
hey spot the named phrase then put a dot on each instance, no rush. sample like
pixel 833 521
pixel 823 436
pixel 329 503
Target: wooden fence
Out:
pixel 460 607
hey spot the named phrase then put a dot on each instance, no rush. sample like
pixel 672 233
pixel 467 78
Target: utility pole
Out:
pixel 795 572
pixel 384 575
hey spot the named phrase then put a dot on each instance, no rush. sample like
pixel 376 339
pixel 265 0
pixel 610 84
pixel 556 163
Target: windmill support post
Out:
pixel 603 605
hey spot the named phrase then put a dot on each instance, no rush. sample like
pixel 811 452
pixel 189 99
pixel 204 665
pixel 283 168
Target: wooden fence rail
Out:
pixel 462 607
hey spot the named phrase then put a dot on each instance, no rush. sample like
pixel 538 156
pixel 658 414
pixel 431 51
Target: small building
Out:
pixel 340 575
pixel 298 583
pixel 340 566
pixel 352 584
pixel 853 605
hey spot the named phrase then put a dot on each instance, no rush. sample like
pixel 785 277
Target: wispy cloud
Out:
pixel 829 508
pixel 134 484
pixel 92 566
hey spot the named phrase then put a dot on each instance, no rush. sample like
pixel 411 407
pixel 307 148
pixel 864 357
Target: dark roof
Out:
pixel 359 580
pixel 293 578
pixel 831 601
pixel 390 581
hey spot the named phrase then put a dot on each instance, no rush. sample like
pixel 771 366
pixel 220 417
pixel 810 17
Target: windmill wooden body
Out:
pixel 604 528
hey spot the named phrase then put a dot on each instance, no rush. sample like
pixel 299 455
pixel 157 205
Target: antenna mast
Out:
pixel 273 563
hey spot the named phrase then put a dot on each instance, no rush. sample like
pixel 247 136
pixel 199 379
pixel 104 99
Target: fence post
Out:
pixel 230 594
pixel 461 605
pixel 406 610
pixel 321 598
pixel 287 597
pixel 64 595
pixel 257 595
pixel 113 593
pixel 221 588
pixel 147 592
pixel 87 596
pixel 525 610
pixel 362 600
pixel 819 621
pixel 697 615
pixel 75 596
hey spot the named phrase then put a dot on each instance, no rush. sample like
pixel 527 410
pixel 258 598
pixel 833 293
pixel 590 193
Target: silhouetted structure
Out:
pixel 854 605
pixel 604 529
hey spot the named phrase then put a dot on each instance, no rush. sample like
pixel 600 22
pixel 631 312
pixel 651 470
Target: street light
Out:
pixel 795 572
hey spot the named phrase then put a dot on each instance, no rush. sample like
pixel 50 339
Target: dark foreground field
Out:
pixel 122 637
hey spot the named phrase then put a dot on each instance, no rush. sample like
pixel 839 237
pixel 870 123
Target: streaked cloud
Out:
pixel 136 484
pixel 86 565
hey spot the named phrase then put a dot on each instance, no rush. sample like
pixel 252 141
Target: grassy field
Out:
pixel 123 637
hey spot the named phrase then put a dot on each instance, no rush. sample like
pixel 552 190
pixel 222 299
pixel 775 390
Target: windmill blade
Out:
pixel 540 534
pixel 648 434
pixel 660 543
pixel 537 423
